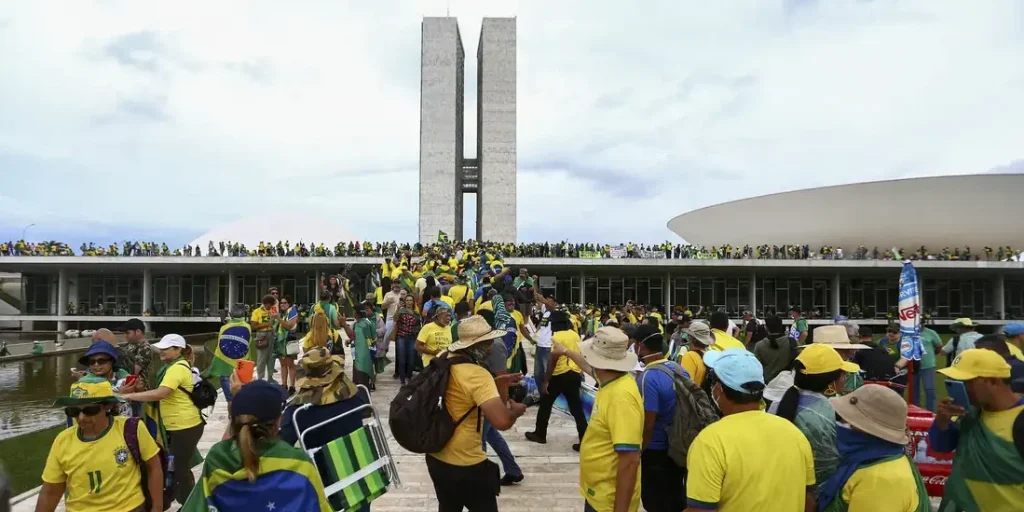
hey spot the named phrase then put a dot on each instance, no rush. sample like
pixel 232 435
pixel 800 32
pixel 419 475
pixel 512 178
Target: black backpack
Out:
pixel 419 417
pixel 203 394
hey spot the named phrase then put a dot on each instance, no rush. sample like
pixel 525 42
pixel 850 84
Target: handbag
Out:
pixel 292 348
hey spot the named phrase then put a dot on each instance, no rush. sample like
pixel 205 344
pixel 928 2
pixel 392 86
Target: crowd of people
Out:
pixel 689 413
pixel 562 249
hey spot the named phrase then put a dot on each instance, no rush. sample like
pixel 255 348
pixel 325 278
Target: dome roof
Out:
pixel 973 210
pixel 274 228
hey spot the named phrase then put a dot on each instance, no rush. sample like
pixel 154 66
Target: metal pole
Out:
pixel 24 230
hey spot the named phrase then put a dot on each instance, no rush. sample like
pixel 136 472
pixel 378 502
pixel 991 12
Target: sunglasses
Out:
pixel 99 360
pixel 89 410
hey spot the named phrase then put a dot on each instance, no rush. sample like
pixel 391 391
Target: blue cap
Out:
pixel 736 368
pixel 99 347
pixel 1013 329
pixel 261 399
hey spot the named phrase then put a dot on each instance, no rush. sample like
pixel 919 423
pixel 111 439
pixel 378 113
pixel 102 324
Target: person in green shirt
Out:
pixel 924 370
pixel 798 331
pixel 365 330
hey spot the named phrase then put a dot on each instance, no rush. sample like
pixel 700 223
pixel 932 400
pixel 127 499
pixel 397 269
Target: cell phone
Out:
pixel 957 390
pixel 129 380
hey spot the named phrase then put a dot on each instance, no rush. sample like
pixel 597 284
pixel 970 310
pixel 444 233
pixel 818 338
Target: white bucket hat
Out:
pixel 836 337
pixel 609 350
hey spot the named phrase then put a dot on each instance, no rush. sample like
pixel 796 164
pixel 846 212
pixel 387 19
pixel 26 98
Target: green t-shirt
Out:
pixel 929 340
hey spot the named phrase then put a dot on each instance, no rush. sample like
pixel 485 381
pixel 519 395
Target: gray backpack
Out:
pixel 693 412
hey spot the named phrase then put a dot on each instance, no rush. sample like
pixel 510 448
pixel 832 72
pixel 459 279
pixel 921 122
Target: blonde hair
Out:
pixel 246 431
pixel 319 330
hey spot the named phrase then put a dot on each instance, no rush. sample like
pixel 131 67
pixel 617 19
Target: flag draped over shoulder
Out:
pixel 232 345
pixel 287 481
pixel 910 314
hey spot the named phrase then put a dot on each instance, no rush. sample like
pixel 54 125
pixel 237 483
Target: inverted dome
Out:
pixel 274 228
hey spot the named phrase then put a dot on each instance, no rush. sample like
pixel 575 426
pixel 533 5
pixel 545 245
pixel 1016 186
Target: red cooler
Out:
pixel 934 467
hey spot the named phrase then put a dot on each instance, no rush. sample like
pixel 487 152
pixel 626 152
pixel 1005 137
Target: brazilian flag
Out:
pixel 287 481
pixel 442 237
pixel 232 345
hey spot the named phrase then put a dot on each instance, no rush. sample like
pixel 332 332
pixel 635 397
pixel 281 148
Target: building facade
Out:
pixel 177 289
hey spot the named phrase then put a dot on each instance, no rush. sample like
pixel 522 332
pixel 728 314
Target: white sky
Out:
pixel 163 120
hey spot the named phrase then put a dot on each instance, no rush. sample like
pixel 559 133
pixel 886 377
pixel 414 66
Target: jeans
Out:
pixel 540 364
pixel 405 352
pixel 225 385
pixel 567 385
pixel 587 507
pixel 924 380
pixel 662 482
pixel 508 461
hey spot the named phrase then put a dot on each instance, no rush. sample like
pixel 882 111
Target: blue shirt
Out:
pixel 659 394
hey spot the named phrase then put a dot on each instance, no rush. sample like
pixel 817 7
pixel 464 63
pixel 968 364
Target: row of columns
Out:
pixel 998 293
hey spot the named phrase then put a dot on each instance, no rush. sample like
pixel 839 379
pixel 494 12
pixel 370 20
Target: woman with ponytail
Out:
pixel 818 372
pixel 180 424
pixel 254 469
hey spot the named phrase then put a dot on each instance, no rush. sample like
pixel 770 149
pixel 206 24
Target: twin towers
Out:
pixel 445 173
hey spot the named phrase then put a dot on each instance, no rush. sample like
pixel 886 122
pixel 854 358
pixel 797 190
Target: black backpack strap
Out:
pixel 1018 433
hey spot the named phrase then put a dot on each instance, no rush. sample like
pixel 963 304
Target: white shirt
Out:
pixel 734 330
pixel 544 334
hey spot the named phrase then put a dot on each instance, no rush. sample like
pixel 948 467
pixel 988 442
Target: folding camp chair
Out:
pixel 356 468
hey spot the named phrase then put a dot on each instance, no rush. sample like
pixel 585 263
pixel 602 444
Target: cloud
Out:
pixel 177 121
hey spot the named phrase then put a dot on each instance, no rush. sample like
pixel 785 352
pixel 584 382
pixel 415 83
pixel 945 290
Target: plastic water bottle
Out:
pixel 169 474
pixel 922 451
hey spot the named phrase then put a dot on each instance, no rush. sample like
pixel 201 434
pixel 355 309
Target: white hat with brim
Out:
pixel 473 330
pixel 836 337
pixel 171 340
pixel 609 350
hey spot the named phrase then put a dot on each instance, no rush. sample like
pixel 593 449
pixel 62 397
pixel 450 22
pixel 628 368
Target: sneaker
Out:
pixel 533 436
pixel 576 447
pixel 511 480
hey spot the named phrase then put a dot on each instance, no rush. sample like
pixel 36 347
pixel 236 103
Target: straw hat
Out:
pixel 473 330
pixel 875 410
pixel 834 336
pixel 321 378
pixel 609 350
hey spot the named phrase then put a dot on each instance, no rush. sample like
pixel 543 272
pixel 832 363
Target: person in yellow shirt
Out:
pixel 719 329
pixel 462 475
pixel 874 474
pixel 460 291
pixel 436 336
pixel 700 338
pixel 564 378
pixel 610 451
pixel 91 465
pixel 748 460
pixel 1014 332
pixel 178 416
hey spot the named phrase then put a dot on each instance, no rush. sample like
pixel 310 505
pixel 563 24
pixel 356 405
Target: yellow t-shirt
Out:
pixel 470 386
pixel 99 474
pixel 177 410
pixel 379 295
pixel 616 425
pixel 724 342
pixel 261 316
pixel 518 317
pixel 434 337
pixel 693 362
pixel 734 465
pixel 458 293
pixel 888 486
pixel 485 306
pixel 448 300
pixel 996 496
pixel 571 341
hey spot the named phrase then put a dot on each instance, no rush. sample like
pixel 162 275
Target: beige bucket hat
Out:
pixel 473 330
pixel 609 350
pixel 875 410
pixel 836 337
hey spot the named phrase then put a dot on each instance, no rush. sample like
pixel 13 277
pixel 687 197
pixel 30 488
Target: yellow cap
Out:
pixel 819 358
pixel 977 362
